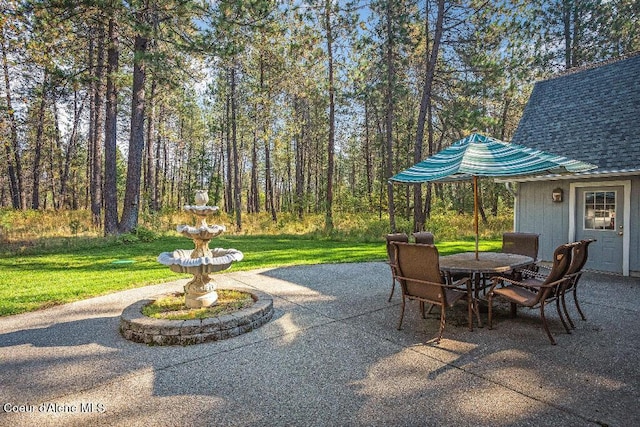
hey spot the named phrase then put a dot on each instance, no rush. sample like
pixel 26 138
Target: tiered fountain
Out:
pixel 200 291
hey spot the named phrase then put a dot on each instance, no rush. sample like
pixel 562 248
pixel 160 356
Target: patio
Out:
pixel 331 355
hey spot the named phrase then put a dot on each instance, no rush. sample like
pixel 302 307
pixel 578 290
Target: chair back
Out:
pixel 561 263
pixel 424 237
pixel 579 256
pixel 521 244
pixel 391 249
pixel 419 272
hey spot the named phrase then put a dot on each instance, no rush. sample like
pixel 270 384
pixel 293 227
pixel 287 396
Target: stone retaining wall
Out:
pixel 137 327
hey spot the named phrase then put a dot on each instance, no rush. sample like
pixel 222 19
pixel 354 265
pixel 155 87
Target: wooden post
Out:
pixel 475 210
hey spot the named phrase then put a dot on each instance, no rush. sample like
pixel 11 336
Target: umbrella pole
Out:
pixel 475 210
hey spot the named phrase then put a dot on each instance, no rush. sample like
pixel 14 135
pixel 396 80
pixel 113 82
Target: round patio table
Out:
pixel 487 262
pixel 487 265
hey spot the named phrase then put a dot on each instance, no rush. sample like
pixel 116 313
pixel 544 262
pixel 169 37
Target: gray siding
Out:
pixel 536 213
pixel 592 115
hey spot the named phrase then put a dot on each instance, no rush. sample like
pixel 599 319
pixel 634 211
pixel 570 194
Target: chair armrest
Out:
pixel 497 279
pixel 465 280
pixel 411 279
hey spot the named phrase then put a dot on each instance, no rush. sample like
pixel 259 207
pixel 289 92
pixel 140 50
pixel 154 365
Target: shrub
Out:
pixel 138 234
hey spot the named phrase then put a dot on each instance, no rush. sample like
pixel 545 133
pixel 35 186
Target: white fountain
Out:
pixel 201 290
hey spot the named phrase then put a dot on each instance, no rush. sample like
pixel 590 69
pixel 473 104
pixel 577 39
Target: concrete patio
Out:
pixel 331 356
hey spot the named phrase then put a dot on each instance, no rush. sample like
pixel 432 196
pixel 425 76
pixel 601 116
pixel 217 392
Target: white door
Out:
pixel 599 215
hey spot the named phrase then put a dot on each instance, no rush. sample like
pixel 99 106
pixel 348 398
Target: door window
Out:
pixel 599 210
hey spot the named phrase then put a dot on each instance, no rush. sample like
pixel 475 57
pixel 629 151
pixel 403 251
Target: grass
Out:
pixel 172 307
pixel 49 258
pixel 37 279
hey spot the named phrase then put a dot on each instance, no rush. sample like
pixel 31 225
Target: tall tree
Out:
pixel 38 146
pixel 432 51
pixel 11 144
pixel 237 191
pixel 573 33
pixel 111 125
pixel 150 185
pixel 96 138
pixel 131 207
pixel 332 115
pixel 390 106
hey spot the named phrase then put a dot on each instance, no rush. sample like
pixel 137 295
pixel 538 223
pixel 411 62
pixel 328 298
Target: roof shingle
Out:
pixel 591 115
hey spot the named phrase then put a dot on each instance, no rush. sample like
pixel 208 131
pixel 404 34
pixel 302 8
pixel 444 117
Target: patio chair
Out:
pixel 521 244
pixel 578 260
pixel 418 272
pixel 391 254
pixel 536 291
pixel 424 237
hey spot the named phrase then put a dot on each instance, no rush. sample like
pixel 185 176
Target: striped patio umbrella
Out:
pixel 482 156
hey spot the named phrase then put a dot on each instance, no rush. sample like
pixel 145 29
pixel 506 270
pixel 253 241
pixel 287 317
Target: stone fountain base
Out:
pixel 200 291
pixel 137 327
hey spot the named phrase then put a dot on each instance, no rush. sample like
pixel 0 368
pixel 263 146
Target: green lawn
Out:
pixel 39 280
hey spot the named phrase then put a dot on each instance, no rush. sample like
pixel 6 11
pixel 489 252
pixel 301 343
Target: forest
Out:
pixel 275 106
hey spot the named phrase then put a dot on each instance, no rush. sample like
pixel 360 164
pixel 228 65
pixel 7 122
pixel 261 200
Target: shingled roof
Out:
pixel 591 115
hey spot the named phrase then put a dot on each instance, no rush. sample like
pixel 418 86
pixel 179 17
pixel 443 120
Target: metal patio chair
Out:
pixel 420 278
pixel 424 237
pixel 522 244
pixel 535 292
pixel 391 255
pixel 574 273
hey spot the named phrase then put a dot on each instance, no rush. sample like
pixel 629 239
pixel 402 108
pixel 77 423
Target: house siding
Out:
pixel 536 213
pixel 588 114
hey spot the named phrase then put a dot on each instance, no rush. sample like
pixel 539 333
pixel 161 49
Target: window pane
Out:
pixel 599 210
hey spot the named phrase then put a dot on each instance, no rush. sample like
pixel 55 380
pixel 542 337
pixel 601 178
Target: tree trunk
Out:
pixel 228 185
pixel 92 122
pixel 427 205
pixel 389 116
pixel 131 206
pixel 37 150
pixel 54 145
pixel 481 211
pixel 425 103
pixel 268 181
pixel 70 153
pixel 332 113
pixel 110 132
pixel 218 171
pixel 157 192
pixel 96 149
pixel 14 165
pixel 150 173
pixel 237 190
pixel 299 166
pixel 253 201
pixel 367 155
pixel 566 20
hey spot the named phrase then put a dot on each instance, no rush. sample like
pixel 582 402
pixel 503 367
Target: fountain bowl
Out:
pixel 204 232
pixel 200 210
pixel 180 261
